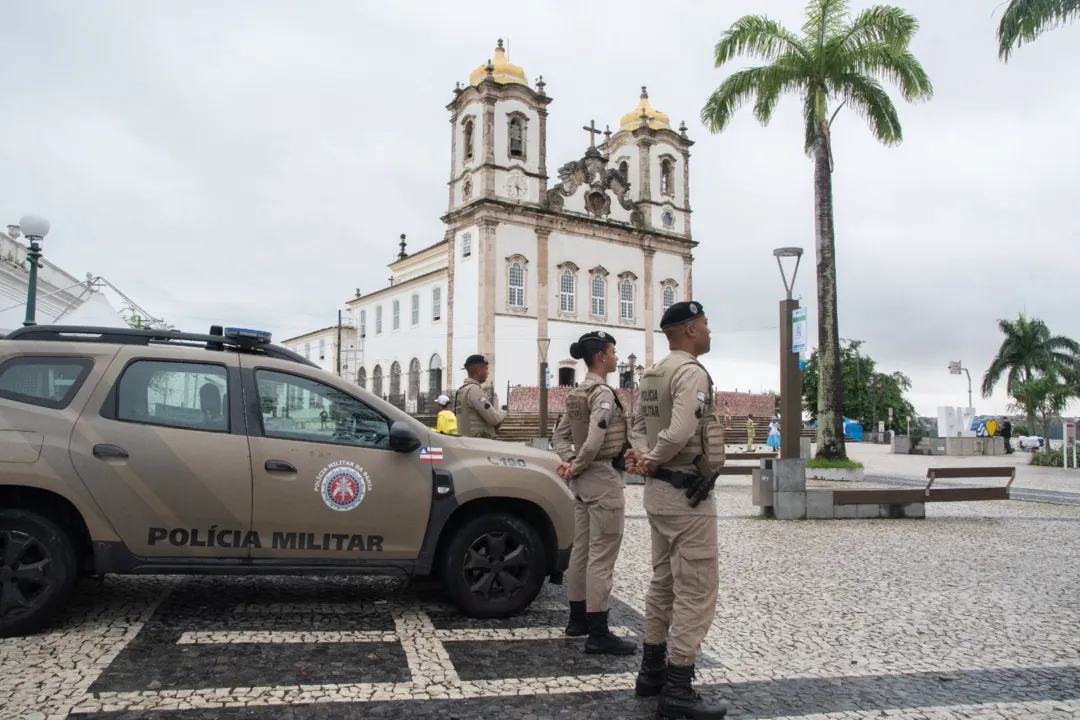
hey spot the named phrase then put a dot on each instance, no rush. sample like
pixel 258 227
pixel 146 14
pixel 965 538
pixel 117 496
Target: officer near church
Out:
pixel 477 416
pixel 591 439
pixel 678 445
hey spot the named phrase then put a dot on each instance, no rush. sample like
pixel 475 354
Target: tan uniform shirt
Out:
pixel 603 412
pixel 477 399
pixel 689 383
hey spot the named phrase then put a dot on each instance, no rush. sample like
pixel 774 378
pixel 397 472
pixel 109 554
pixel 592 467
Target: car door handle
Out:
pixel 112 451
pixel 278 466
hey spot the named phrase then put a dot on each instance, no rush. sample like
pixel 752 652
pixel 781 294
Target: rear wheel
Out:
pixel 494 566
pixel 38 570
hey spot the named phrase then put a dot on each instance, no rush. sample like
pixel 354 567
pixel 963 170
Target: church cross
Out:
pixel 593 132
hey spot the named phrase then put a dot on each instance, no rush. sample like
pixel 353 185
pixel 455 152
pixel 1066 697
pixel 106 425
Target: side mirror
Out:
pixel 402 439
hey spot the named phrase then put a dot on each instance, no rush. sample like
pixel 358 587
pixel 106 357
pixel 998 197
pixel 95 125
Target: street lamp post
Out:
pixel 35 229
pixel 957 367
pixel 543 344
pixel 790 375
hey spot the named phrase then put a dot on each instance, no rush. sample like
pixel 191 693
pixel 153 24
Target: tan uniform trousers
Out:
pixel 599 506
pixel 681 602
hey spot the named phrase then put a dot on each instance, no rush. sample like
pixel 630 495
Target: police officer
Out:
pixel 591 440
pixel 476 416
pixel 677 438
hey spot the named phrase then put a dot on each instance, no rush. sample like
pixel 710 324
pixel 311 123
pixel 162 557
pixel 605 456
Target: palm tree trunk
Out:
pixel 830 434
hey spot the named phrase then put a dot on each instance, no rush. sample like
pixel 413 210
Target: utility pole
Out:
pixel 339 343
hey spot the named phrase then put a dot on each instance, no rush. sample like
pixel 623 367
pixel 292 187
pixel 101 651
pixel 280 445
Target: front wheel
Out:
pixel 494 566
pixel 37 571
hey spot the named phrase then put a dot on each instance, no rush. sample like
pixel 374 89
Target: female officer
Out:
pixel 591 439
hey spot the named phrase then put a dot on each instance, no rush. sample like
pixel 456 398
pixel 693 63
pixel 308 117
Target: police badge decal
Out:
pixel 343 485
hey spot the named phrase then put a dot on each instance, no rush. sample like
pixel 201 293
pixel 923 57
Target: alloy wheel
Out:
pixel 24 573
pixel 496 566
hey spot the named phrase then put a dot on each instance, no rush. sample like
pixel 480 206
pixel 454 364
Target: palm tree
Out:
pixel 1029 350
pixel 1025 20
pixel 837 60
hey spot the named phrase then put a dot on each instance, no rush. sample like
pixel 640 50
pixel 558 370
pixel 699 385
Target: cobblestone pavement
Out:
pixel 971 613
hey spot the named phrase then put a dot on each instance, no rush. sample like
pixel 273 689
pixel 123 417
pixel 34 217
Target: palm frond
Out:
pixel 736 90
pixel 870 100
pixel 897 65
pixel 1025 20
pixel 756 35
pixel 811 121
pixel 787 73
pixel 879 24
pixel 824 19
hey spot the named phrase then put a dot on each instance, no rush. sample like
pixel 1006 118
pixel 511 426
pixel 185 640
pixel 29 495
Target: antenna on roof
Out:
pixel 508 48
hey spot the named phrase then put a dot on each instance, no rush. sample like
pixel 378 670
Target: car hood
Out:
pixel 541 457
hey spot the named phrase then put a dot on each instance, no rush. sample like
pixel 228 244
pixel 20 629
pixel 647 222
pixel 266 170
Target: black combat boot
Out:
pixel 680 700
pixel 601 641
pixel 650 678
pixel 579 624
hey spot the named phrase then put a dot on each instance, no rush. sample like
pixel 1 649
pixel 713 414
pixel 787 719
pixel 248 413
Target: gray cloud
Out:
pixel 254 161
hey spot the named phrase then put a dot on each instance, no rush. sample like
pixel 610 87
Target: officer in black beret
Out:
pixel 477 416
pixel 677 440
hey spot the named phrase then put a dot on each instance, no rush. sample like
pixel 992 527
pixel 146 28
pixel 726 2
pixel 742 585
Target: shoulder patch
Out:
pixel 701 396
pixel 604 405
pixel 487 406
pixel 602 424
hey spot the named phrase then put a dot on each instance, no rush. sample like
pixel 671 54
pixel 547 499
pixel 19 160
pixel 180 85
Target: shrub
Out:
pixel 1020 430
pixel 822 463
pixel 1051 458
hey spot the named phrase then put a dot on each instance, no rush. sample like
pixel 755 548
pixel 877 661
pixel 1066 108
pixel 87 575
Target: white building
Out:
pixel 608 246
pixel 321 347
pixel 61 297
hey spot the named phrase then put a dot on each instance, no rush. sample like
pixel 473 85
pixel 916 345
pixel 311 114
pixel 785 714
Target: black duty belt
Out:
pixel 676 478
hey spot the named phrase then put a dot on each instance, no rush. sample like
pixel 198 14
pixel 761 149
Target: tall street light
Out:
pixel 790 374
pixel 543 344
pixel 35 229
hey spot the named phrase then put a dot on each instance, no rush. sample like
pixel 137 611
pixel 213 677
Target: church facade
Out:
pixel 605 245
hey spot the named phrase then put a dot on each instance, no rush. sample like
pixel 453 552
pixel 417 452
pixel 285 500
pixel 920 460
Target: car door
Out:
pixel 328 487
pixel 163 449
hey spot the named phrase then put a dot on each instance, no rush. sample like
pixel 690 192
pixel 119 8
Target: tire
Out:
pixel 38 566
pixel 481 535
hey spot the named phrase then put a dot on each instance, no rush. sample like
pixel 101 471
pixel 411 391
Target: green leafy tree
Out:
pixel 836 60
pixel 1028 351
pixel 868 394
pixel 1046 396
pixel 1025 20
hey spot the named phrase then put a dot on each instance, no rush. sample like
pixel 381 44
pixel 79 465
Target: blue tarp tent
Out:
pixel 851 428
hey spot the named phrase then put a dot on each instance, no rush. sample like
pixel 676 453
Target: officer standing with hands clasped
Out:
pixel 476 416
pixel 591 440
pixel 678 446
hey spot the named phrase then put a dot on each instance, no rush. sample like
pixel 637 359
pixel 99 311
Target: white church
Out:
pixel 607 245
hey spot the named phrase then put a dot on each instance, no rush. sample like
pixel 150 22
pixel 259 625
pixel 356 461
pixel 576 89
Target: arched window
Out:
pixel 468 133
pixel 363 323
pixel 395 378
pixel 397 315
pixel 624 170
pixel 626 299
pixel 669 296
pixel 416 309
pixel 378 319
pixel 599 295
pixel 667 177
pixel 466 245
pixel 435 375
pixel 516 285
pixel 517 137
pixel 414 378
pixel 567 291
pixel 376 380
pixel 436 302
pixel 361 378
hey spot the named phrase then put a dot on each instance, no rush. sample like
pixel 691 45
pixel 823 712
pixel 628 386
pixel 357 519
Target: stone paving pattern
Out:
pixel 971 613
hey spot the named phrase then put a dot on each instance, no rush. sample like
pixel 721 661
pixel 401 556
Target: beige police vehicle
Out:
pixel 145 451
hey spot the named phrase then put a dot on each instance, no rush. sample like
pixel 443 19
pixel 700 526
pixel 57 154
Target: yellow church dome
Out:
pixel 503 71
pixel 657 119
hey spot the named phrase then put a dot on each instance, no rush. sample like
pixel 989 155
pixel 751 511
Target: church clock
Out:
pixel 517 186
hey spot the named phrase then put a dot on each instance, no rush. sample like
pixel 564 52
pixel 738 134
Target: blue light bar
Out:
pixel 259 336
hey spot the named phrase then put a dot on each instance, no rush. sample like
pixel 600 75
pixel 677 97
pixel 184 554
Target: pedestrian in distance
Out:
pixel 476 414
pixel 590 439
pixel 678 446
pixel 445 421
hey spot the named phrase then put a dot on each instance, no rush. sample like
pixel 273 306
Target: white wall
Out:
pixel 587 254
pixel 466 304
pixel 309 347
pixel 516 240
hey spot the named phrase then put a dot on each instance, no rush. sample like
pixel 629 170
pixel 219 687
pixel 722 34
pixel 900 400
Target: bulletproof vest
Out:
pixel 577 413
pixel 656 404
pixel 470 424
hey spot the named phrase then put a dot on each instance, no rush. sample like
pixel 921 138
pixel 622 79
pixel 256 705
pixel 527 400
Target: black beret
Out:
pixel 475 360
pixel 681 312
pixel 597 335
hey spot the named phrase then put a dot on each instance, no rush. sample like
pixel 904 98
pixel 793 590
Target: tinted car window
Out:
pixel 46 381
pixel 176 394
pixel 297 408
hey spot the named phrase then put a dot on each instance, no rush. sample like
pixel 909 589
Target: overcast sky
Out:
pixel 252 162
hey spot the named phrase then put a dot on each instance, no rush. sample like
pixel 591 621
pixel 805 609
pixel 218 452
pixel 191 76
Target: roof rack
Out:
pixel 237 341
